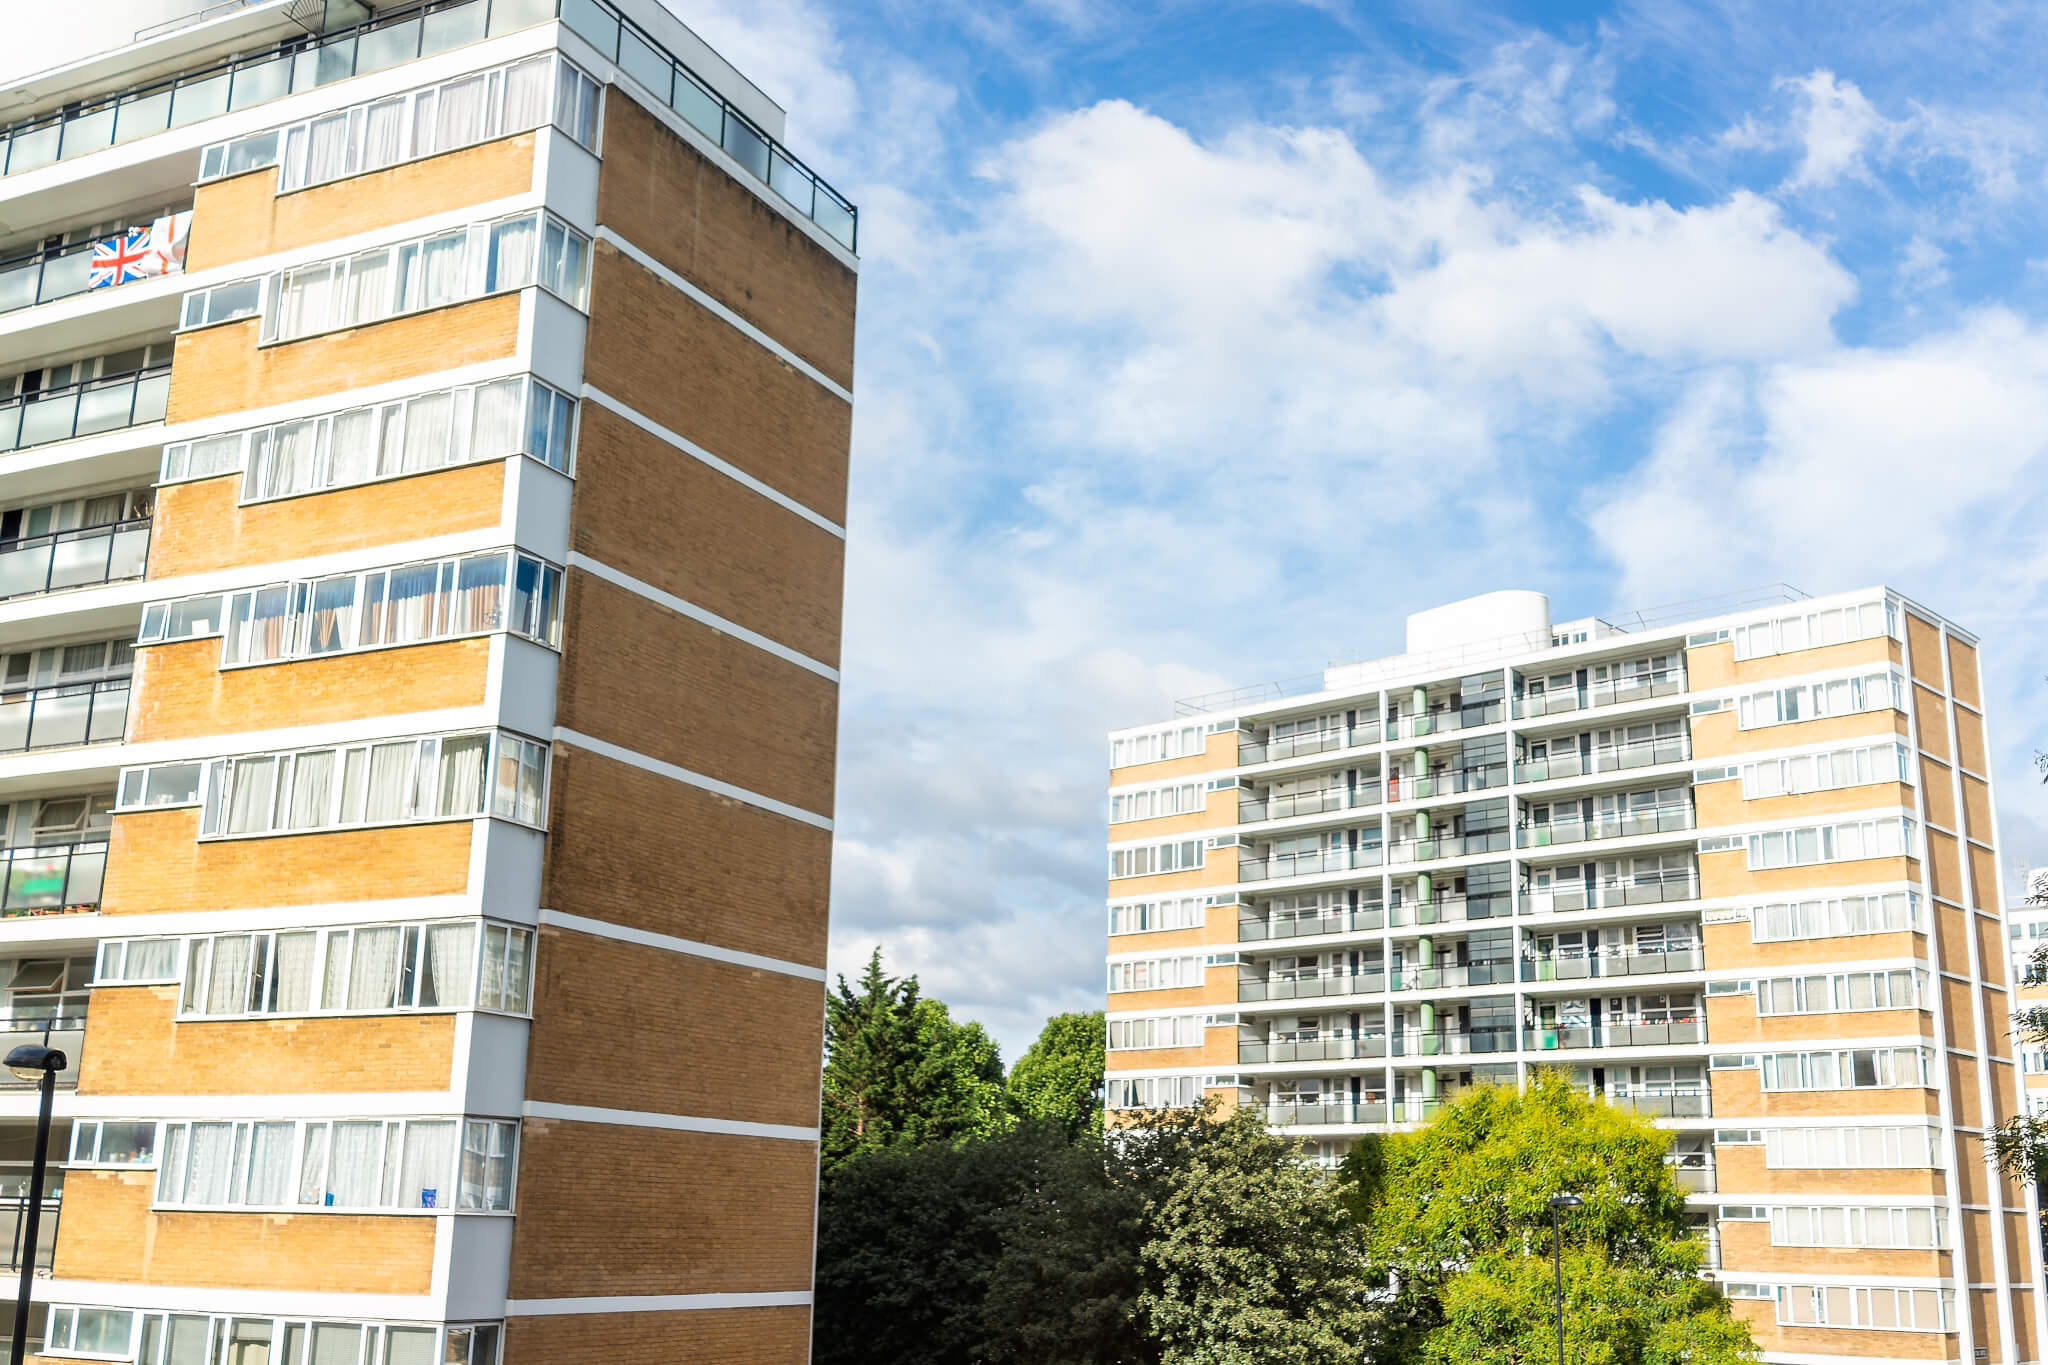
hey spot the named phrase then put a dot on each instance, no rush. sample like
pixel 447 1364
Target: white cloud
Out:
pixel 1922 265
pixel 1835 125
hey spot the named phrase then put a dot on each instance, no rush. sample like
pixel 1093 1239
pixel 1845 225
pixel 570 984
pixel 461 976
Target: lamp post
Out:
pixel 1559 1202
pixel 33 1062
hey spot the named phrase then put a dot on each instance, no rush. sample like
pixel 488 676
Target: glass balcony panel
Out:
pixel 259 82
pixel 64 275
pixel 452 27
pixel 62 718
pixel 10 427
pixel 48 419
pixel 23 571
pixel 787 180
pixel 142 116
pixel 69 1041
pixel 747 148
pixel 18 285
pixel 326 64
pixel 645 65
pixel 152 392
pixel 87 875
pixel 591 23
pixel 387 46
pixel 88 132
pixel 835 218
pixel 699 107
pixel 109 716
pixel 508 16
pixel 33 148
pixel 105 408
pixel 80 559
pixel 130 555
pixel 204 98
pixel 36 881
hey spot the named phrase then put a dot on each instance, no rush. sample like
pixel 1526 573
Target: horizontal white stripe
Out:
pixel 674 1123
pixel 254 1302
pixel 654 1303
pixel 693 779
pixel 646 939
pixel 578 560
pixel 675 281
pixel 697 452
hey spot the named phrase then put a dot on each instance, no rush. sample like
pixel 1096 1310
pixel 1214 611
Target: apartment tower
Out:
pixel 423 441
pixel 1733 866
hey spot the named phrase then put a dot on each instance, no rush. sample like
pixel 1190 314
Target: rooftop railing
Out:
pixel 1615 825
pixel 52 879
pixel 85 409
pixel 307 63
pixel 64 717
pixel 83 558
pixel 1645 753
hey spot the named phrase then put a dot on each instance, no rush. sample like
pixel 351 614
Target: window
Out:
pixel 1846 842
pixel 126 961
pixel 1887 1147
pixel 222 303
pixel 1857 1227
pixel 1180 798
pixel 1879 1068
pixel 435 777
pixel 1173 741
pixel 98 1143
pixel 1841 992
pixel 1904 1310
pixel 1833 697
pixel 1826 771
pixel 1177 856
pixel 1157 973
pixel 370 968
pixel 1783 920
pixel 1144 917
pixel 1809 630
pixel 194 1339
pixel 1158 1030
pixel 1153 1092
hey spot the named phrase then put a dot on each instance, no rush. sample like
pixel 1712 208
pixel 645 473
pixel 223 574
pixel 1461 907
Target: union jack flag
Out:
pixel 117 260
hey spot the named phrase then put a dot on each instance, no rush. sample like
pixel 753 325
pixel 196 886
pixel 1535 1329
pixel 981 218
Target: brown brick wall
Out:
pixel 649 510
pixel 155 863
pixel 136 1045
pixel 181 690
pixel 658 683
pixel 679 1034
pixel 1962 673
pixel 243 218
pixel 664 197
pixel 109 1233
pixel 200 526
pixel 611 1209
pixel 673 360
pixel 632 848
pixel 221 369
pixel 730 1336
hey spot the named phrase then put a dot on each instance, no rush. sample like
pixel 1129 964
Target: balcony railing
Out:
pixel 1447 721
pixel 1452 977
pixel 1582 966
pixel 1447 846
pixel 53 879
pixel 1677 1104
pixel 86 409
pixel 1453 1042
pixel 61 717
pixel 1613 758
pixel 1307 864
pixel 13 1226
pixel 74 559
pixel 1615 825
pixel 1614 692
pixel 1368 1111
pixel 1313 1050
pixel 1308 803
pixel 45 276
pixel 1695 1179
pixel 1446 783
pixel 1552 1038
pixel 393 38
pixel 1311 987
pixel 1578 896
pixel 1307 743
pixel 1450 909
pixel 66 1034
pixel 1306 926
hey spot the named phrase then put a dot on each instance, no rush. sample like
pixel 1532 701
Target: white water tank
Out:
pixel 1490 616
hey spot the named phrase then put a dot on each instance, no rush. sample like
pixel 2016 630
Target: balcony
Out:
pixel 1311 987
pixel 52 879
pixel 1449 782
pixel 1361 797
pixel 1648 891
pixel 64 717
pixel 1446 722
pixel 1607 825
pixel 1452 977
pixel 1450 909
pixel 1583 966
pixel 1313 1050
pixel 46 275
pixel 13 1220
pixel 66 1034
pixel 1306 926
pixel 1368 1111
pixel 1311 742
pixel 1613 758
pixel 1695 1176
pixel 1675 1104
pixel 1453 1042
pixel 1614 692
pixel 1447 846
pixel 85 558
pixel 97 405
pixel 1307 864
pixel 1554 1038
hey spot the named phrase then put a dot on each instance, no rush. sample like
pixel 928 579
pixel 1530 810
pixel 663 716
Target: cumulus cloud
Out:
pixel 1835 125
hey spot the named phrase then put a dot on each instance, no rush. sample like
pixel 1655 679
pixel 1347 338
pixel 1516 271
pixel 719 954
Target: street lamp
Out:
pixel 1559 1202
pixel 33 1062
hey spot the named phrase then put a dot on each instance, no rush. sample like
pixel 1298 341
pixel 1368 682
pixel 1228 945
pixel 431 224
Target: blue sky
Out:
pixel 1199 343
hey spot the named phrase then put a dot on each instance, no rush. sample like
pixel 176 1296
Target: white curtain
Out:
pixel 270 1163
pixel 214 455
pixel 328 151
pixel 289 458
pixel 356 1170
pixel 312 789
pixel 427 420
pixel 373 979
pixel 526 94
pixel 409 613
pixel 384 136
pixel 464 114
pixel 516 943
pixel 355 781
pixel 334 983
pixel 227 986
pixel 462 775
pixel 170 1181
pixel 428 1164
pixel 313 1169
pixel 492 987
pixel 336 1344
pixel 443 274
pixel 424 142
pixel 512 249
pixel 408 1346
pixel 212 1154
pixel 450 949
pixel 369 287
pixel 294 971
pixel 249 806
pixel 495 430
pixel 479 594
pixel 330 623
pixel 305 301
pixel 352 446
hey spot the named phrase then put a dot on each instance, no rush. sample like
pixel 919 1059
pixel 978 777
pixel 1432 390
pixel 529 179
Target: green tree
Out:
pixel 1252 1259
pixel 1015 1250
pixel 1060 1076
pixel 1459 1237
pixel 898 1070
pixel 2020 1144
